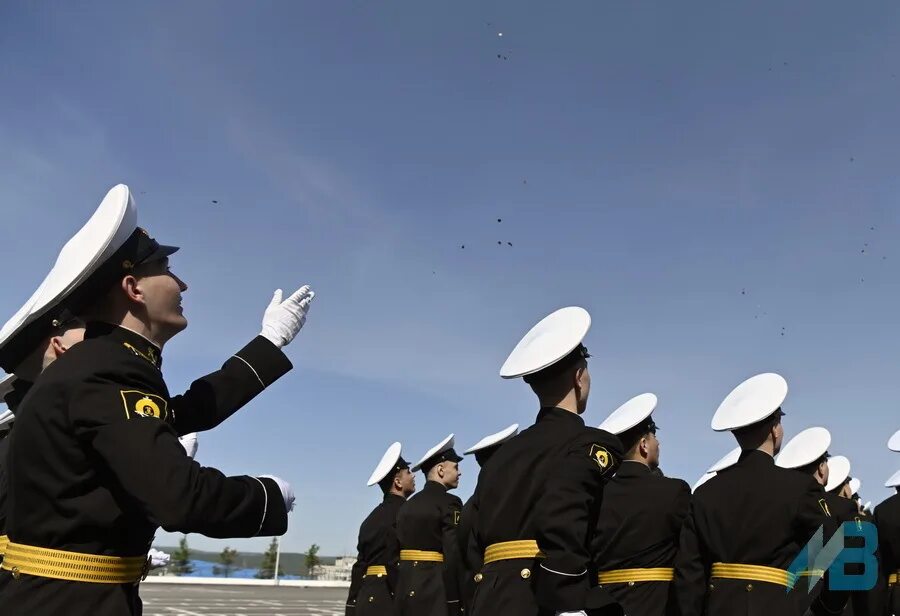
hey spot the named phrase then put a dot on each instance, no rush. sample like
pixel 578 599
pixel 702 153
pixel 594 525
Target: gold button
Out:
pixel 631 583
pixel 525 573
pixel 415 563
pixel 371 599
pixel 412 593
pixel 712 586
pixel 15 573
pixel 478 577
pixel 749 587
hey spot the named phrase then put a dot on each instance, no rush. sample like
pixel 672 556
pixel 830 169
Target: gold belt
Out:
pixel 4 541
pixel 424 555
pixel 757 573
pixel 619 576
pixel 510 550
pixel 74 566
pixel 894 579
pixel 376 570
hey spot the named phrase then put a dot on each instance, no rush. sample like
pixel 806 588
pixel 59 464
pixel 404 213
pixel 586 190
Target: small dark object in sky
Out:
pixel 785 63
pixel 871 228
pixel 499 220
pixel 499 56
pixel 524 181
pixel 884 258
pixel 214 201
pixel 743 291
pixel 432 272
pixel 463 246
pixel 770 69
pixel 863 251
pixel 852 159
pixel 509 243
pixel 499 243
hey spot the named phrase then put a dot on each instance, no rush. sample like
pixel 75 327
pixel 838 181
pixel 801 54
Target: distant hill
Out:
pixel 291 563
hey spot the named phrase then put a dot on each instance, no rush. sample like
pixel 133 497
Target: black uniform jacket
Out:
pixel 95 465
pixel 428 521
pixel 639 526
pixel 887 520
pixel 546 484
pixel 753 513
pixel 377 545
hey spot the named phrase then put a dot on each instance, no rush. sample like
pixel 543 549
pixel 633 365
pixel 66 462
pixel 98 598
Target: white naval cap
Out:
pixel 750 402
pixel 391 462
pixel 554 338
pixel 728 460
pixel 630 414
pixel 893 481
pixel 6 420
pixel 805 448
pixel 894 441
pixel 498 438
pixel 6 416
pixel 838 472
pixel 442 452
pixel 190 444
pixel 855 485
pixel 703 479
pixel 87 257
pixel 6 385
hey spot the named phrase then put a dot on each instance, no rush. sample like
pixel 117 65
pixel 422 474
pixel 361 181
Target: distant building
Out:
pixel 338 572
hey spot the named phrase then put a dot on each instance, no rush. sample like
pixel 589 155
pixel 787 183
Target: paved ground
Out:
pixel 201 600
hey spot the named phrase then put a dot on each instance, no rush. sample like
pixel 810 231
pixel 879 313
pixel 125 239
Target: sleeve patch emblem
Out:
pixel 140 404
pixel 601 456
pixel 824 507
pixel 456 516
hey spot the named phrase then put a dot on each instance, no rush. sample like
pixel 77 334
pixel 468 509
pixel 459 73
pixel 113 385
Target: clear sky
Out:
pixel 702 178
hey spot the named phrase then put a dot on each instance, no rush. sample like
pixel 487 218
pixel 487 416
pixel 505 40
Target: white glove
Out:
pixel 189 442
pixel 158 559
pixel 578 613
pixel 287 493
pixel 284 319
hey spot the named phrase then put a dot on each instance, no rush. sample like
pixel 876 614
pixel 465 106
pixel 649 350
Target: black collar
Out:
pixel 434 486
pixel 132 341
pixel 632 468
pixel 552 413
pixel 755 458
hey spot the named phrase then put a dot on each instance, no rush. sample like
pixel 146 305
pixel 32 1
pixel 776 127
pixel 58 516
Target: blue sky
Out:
pixel 698 177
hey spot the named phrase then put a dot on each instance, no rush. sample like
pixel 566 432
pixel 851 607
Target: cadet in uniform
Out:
pixel 428 581
pixel 842 507
pixel 748 523
pixel 535 507
pixel 641 516
pixel 96 438
pixel 483 451
pixel 807 453
pixel 887 520
pixel 374 575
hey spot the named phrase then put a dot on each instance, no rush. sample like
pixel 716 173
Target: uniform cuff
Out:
pixel 274 518
pixel 265 359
